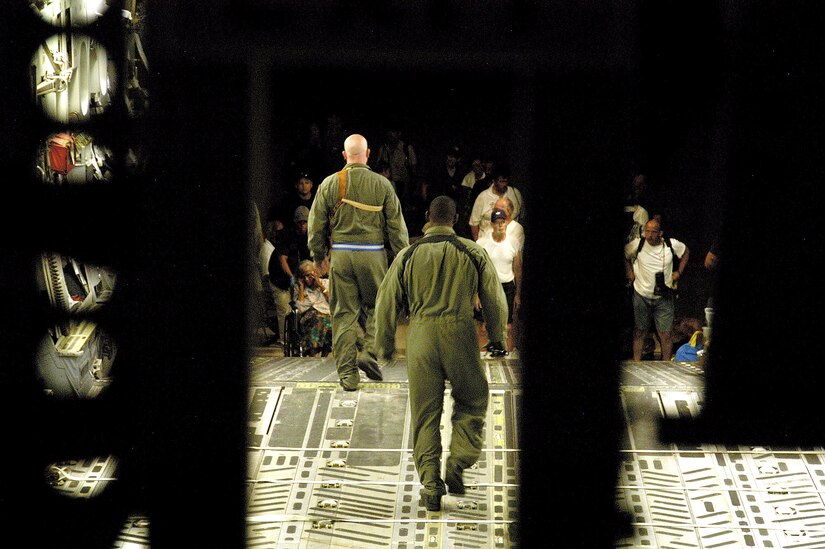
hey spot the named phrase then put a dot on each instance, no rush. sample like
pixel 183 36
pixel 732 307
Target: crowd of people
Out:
pixel 489 211
pixel 478 184
pixel 480 187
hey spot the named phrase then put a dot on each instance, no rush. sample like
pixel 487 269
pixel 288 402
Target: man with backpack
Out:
pixel 649 267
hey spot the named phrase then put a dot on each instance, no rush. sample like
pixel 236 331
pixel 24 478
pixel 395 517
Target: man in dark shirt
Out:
pixel 303 195
pixel 290 249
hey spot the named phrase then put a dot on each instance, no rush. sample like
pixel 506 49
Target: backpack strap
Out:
pixel 639 249
pixel 452 239
pixel 667 242
pixel 669 245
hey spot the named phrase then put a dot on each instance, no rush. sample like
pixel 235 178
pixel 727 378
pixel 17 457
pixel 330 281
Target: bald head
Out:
pixel 355 149
pixel 442 211
pixel 653 232
pixel 505 204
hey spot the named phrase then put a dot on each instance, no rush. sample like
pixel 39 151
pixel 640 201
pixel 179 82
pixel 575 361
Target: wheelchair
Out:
pixel 293 345
pixel 292 336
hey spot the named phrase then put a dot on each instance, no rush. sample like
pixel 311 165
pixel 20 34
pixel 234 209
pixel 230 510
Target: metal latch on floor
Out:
pixel 328 504
pixel 768 469
pixel 337 463
pixel 785 510
pixel 340 444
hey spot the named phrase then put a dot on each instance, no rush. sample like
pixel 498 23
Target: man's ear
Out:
pixel 344 154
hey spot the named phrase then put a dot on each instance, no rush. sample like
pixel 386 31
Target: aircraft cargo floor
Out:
pixel 332 469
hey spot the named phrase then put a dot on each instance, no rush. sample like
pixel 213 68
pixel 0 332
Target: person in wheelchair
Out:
pixel 314 323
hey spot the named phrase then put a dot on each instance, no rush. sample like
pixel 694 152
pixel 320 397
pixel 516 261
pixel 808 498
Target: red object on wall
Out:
pixel 60 149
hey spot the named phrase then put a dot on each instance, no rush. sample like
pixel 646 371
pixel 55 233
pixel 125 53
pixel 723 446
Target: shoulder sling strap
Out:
pixel 452 239
pixel 342 190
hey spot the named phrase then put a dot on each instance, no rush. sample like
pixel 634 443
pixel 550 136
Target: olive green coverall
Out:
pixel 358 259
pixel 440 283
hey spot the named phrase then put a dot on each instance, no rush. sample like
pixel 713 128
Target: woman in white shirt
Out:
pixel 505 252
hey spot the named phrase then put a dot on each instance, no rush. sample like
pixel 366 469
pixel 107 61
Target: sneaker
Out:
pixel 453 476
pixel 370 367
pixel 431 497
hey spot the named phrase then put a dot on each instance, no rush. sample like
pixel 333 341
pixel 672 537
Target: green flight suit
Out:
pixel 358 258
pixel 440 282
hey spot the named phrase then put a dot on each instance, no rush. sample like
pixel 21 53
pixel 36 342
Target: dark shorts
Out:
pixel 510 294
pixel 658 312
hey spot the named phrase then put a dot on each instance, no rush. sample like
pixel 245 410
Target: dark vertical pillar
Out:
pixel 573 277
pixel 191 328
pixel 763 377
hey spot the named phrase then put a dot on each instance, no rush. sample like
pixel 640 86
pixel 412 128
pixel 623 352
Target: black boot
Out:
pixel 369 365
pixel 431 496
pixel 349 382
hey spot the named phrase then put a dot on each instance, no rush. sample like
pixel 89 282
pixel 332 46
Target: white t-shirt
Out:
pixel 486 201
pixel 502 254
pixel 651 260
pixel 514 230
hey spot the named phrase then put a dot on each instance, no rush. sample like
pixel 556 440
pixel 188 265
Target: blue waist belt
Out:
pixel 357 247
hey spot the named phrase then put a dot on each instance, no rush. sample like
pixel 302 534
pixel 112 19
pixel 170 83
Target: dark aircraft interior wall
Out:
pixel 433 109
pixel 721 104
